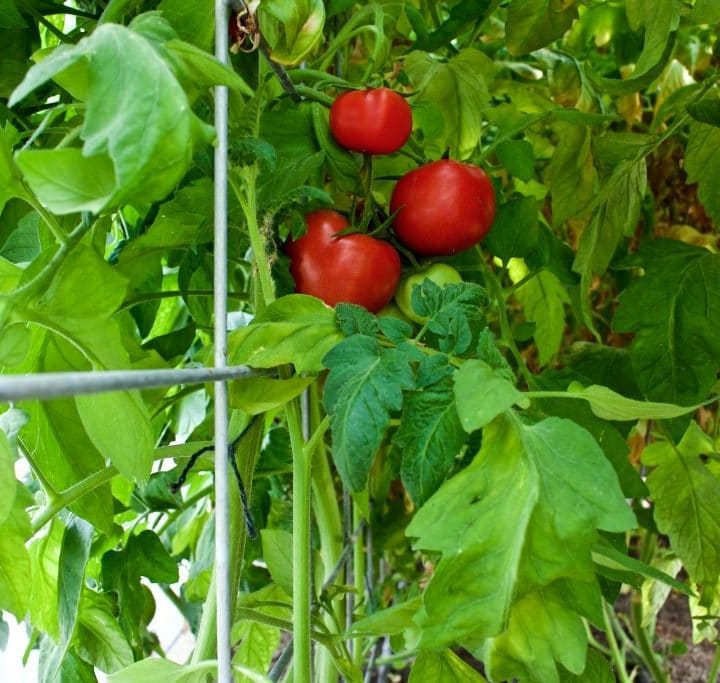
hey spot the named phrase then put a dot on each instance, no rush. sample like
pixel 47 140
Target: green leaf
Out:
pixel 616 212
pixel 296 329
pixel 661 24
pixel 430 436
pixel 364 385
pixel 277 553
pixel 449 310
pixel 673 310
pixel 444 667
pixel 192 21
pixel 257 395
pixel 68 181
pixel 45 562
pixel 532 24
pixel 15 580
pixel 706 12
pixel 292 28
pixel 609 405
pixel 572 173
pixel 118 424
pixel 686 499
pixel 461 16
pixel 10 176
pixel 558 635
pixel 8 483
pixel 74 555
pixel 482 394
pixel 389 621
pixel 258 644
pixel 534 495
pixel 156 669
pixel 604 554
pixel 9 15
pixel 517 157
pixel 100 639
pixel 706 111
pixel 542 299
pixel 703 167
pixel 137 116
pixel 343 166
pixel 458 89
pixel 514 231
pixel 597 670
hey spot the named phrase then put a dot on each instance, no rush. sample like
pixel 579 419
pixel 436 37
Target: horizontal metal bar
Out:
pixel 56 384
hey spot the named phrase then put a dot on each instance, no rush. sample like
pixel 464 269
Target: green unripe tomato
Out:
pixel 393 311
pixel 440 273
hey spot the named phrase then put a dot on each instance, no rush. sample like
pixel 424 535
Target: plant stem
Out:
pixel 248 451
pixel 58 233
pixel 715 666
pixel 70 495
pixel 359 578
pixel 617 656
pixel 640 634
pixel 496 289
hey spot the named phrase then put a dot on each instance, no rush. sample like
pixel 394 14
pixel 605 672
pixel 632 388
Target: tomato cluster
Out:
pixel 438 209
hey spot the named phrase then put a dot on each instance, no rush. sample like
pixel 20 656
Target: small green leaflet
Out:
pixel 686 497
pixel 515 229
pixel 257 395
pixel 364 385
pixel 8 483
pixel 443 667
pixel 532 24
pixel 543 298
pixel 457 91
pixel 674 310
pixel 15 580
pixel 389 621
pixel 482 394
pixel 703 165
pixel 430 437
pixel 609 405
pixel 296 329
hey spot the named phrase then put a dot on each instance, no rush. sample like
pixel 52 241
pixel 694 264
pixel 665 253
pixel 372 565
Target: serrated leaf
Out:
pixel 673 311
pixel 444 667
pixel 534 495
pixel 448 310
pixel 44 562
pixel 686 498
pixel 354 319
pixel 616 212
pixel 703 167
pixel 389 621
pixel 364 385
pixel 532 24
pixel 609 405
pixel 458 89
pixel 74 555
pixel 296 329
pixel 482 394
pixel 543 298
pixel 514 231
pixel 430 436
pixel 15 580
pixel 257 395
pixel 572 174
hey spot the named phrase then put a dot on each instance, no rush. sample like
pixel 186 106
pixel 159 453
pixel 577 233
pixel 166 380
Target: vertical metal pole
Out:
pixel 222 510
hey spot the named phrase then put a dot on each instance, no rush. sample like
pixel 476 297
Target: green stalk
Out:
pixel 301 464
pixel 641 638
pixel 70 495
pixel 617 656
pixel 359 579
pixel 329 525
pixel 248 451
pixel 715 666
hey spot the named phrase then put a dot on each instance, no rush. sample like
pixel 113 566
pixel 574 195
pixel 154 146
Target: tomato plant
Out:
pixel 375 121
pixel 443 207
pixel 439 273
pixel 353 268
pixel 506 476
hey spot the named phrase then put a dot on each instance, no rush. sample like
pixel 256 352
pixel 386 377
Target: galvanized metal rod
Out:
pixel 222 505
pixel 47 385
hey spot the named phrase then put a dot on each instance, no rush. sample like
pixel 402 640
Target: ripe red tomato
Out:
pixel 444 207
pixel 376 121
pixel 354 268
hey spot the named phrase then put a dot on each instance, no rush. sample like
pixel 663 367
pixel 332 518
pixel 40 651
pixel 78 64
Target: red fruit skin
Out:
pixel 375 121
pixel 356 268
pixel 444 207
